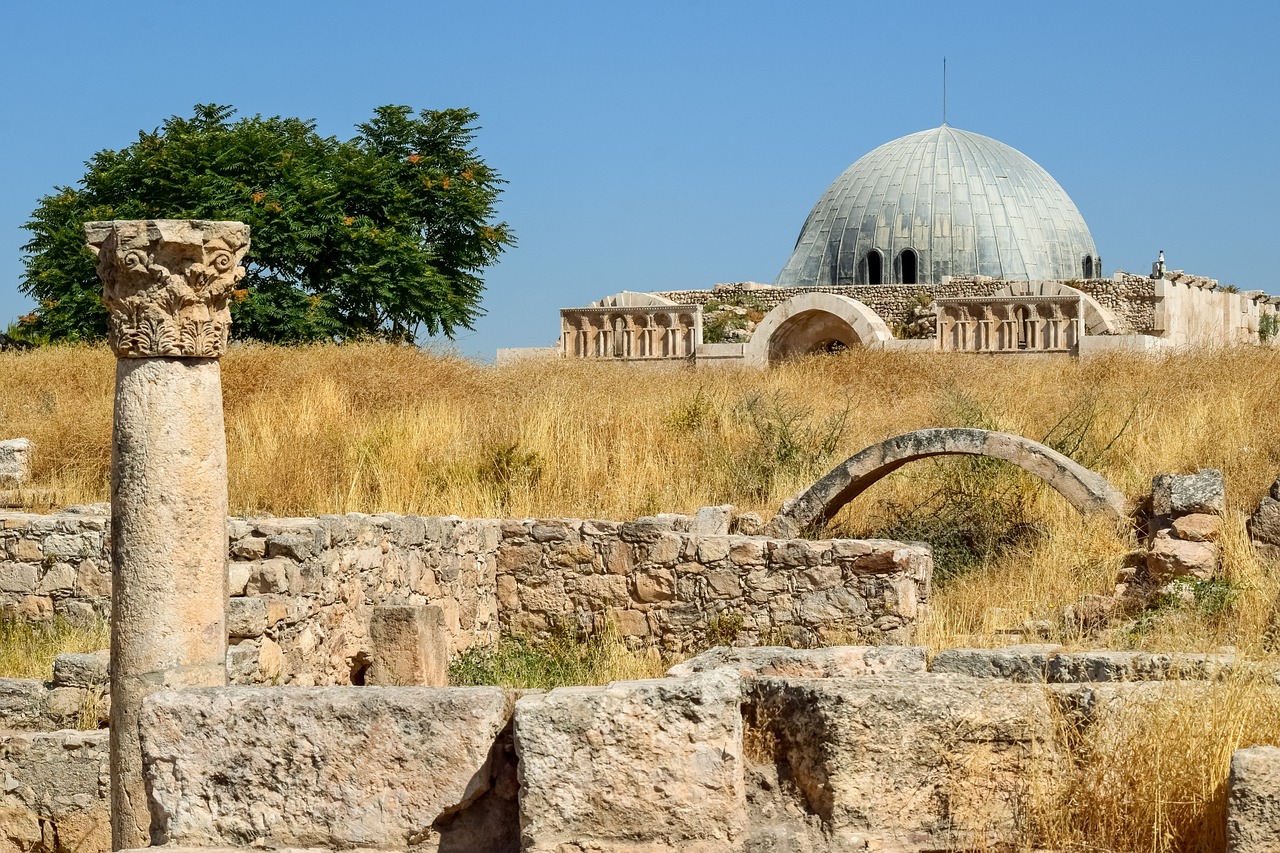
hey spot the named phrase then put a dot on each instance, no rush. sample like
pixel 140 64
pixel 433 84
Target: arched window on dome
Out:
pixel 1088 266
pixel 875 267
pixel 909 263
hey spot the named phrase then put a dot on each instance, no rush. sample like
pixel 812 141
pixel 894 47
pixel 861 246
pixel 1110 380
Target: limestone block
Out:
pixel 238 578
pixel 82 670
pixel 60 581
pixel 1072 667
pixel 93 579
pixel 246 617
pixel 655 585
pixel 1180 494
pixel 1253 801
pixel 60 779
pixel 1026 664
pixel 63 705
pixel 249 548
pixel 409 647
pixel 72 546
pixel 332 767
pixel 22 703
pixel 1264 525
pixel 650 765
pixel 15 462
pixel 242 662
pixel 268 576
pixel 782 661
pixel 916 760
pixel 18 577
pixel 712 520
pixel 26 550
pixel 628 623
pixel 291 545
pixel 1198 526
pixel 1170 558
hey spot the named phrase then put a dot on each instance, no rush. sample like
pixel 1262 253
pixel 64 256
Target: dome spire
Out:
pixel 944 91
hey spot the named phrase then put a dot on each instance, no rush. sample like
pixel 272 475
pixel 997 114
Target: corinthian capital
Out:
pixel 166 283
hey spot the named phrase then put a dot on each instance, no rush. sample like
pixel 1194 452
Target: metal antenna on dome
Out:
pixel 944 90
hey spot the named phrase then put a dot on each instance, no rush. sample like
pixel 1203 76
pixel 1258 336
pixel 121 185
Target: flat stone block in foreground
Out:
pixel 637 766
pixel 1253 801
pixel 907 760
pixel 783 661
pixel 335 767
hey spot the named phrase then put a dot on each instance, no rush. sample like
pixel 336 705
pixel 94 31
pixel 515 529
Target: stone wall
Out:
pixel 893 302
pixel 303 589
pixel 1187 307
pixel 654 584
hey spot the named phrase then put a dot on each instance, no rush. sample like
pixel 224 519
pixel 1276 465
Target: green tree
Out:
pixel 384 235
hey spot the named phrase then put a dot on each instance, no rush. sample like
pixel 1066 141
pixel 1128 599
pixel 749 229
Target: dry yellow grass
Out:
pixel 368 428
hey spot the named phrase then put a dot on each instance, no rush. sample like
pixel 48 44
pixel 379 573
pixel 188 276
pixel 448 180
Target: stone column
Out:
pixel 166 285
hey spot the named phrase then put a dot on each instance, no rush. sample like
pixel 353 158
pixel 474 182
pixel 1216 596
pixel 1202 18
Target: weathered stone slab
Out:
pixel 317 767
pixel 920 761
pixel 410 647
pixel 22 703
pixel 1171 558
pixel 1026 664
pixel 56 792
pixel 1072 667
pixel 1264 524
pixel 82 670
pixel 15 462
pixel 783 661
pixel 1180 494
pixel 1253 801
pixel 712 520
pixel 635 766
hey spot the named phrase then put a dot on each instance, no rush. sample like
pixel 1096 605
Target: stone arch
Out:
pixel 1085 490
pixel 814 322
pixel 1098 320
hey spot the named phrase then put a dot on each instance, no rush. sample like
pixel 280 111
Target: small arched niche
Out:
pixel 875 267
pixel 909 263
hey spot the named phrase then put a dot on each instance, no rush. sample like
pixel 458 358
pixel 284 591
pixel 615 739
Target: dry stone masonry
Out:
pixel 303 591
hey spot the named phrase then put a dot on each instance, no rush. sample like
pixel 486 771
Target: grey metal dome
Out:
pixel 951 203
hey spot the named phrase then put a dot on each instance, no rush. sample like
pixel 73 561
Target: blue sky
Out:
pixel 665 145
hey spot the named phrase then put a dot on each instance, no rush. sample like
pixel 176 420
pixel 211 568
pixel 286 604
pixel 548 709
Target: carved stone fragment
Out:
pixel 167 284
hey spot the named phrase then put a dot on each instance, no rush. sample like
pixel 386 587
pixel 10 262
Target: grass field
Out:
pixel 370 428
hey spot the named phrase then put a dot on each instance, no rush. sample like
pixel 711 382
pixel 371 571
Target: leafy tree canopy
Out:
pixel 384 235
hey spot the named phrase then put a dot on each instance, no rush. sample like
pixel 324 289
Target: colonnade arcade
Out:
pixel 638 332
pixel 1011 324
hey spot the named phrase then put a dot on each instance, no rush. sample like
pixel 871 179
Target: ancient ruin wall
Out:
pixel 656 585
pixel 1132 299
pixel 302 590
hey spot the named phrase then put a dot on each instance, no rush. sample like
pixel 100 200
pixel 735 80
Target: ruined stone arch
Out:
pixel 1085 490
pixel 814 322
